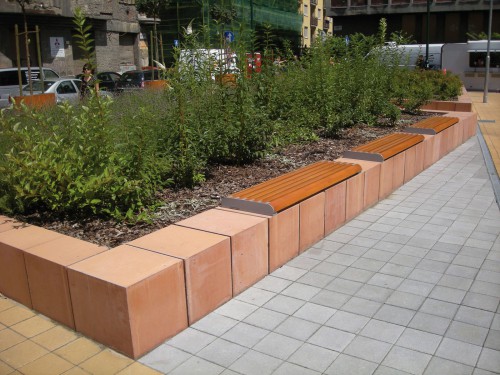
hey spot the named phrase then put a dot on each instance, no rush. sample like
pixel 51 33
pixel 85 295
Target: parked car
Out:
pixel 9 81
pixel 134 79
pixel 107 80
pixel 65 89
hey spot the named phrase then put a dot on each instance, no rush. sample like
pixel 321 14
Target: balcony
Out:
pixel 339 4
pixel 379 3
pixel 326 25
pixel 314 2
pixel 359 3
pixel 314 21
pixel 401 2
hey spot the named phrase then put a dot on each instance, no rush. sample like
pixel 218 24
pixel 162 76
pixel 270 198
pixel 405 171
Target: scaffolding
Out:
pixel 281 17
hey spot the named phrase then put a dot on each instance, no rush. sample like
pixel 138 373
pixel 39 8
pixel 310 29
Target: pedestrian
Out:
pixel 88 81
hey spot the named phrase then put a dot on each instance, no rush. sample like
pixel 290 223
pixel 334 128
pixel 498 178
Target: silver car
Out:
pixel 65 89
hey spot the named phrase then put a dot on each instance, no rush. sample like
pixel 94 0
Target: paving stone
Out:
pixel 277 345
pixel 493 340
pixel 245 334
pixel 296 328
pixel 265 318
pixel 379 330
pixel 396 270
pixel 489 360
pixel 467 333
pixel 447 294
pixel 255 296
pixel 459 351
pixel 368 349
pixel 284 304
pixel 253 362
pixel 316 279
pixel 386 281
pixel 474 316
pixel 394 314
pixel 315 313
pixel 368 264
pixel 440 308
pixel 440 366
pixel 288 368
pixel 331 338
pixel 313 357
pixel 289 273
pixel 331 299
pixel 344 286
pixel 347 365
pixel 329 269
pixel 425 276
pixel 356 274
pixel 347 321
pixel 301 291
pixel 420 341
pixel 215 324
pixel 481 301
pixel 416 287
pixel 195 365
pixel 222 352
pixel 165 358
pixel 462 271
pixel 361 306
pixel 273 284
pixel 342 259
pixel 407 360
pixel 430 323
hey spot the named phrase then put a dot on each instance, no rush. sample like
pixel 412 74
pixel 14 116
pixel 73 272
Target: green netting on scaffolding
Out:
pixel 280 14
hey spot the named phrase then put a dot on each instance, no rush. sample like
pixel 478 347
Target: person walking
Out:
pixel 88 81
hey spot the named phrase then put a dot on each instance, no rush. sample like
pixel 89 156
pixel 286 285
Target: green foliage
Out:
pixel 83 36
pixel 109 158
pixel 483 36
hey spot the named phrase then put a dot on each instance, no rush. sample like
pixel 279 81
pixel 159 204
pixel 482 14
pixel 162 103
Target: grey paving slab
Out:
pixel 410 286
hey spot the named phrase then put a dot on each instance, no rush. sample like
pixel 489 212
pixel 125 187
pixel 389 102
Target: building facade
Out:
pixel 449 20
pixel 115 29
pixel 315 22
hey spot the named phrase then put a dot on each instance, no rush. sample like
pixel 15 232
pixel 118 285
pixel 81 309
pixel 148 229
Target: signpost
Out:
pixel 228 36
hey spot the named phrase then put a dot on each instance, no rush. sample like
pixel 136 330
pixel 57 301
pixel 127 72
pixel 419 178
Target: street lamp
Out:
pixel 487 75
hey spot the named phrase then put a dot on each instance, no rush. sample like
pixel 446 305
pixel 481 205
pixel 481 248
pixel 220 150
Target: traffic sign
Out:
pixel 229 36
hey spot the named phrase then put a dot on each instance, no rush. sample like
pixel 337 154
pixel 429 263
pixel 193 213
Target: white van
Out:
pixel 9 81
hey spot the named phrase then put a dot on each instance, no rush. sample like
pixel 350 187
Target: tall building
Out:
pixel 115 29
pixel 449 20
pixel 315 22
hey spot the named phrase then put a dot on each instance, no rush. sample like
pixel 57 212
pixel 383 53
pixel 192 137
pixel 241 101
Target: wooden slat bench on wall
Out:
pixel 280 193
pixel 300 206
pixel 390 151
pixel 446 132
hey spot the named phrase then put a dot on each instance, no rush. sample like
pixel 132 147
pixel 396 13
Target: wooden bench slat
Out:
pixel 432 125
pixel 282 192
pixel 384 148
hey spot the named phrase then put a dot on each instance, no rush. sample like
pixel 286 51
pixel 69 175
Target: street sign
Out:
pixel 347 40
pixel 229 36
pixel 176 42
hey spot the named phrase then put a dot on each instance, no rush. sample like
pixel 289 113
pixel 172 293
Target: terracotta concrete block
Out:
pixel 419 158
pixel 283 237
pixel 386 178
pixel 458 134
pixel 398 178
pixel 428 154
pixel 46 267
pixel 129 299
pixel 13 277
pixel 438 139
pixel 371 170
pixel 7 223
pixel 312 221
pixel 207 263
pixel 410 163
pixel 355 193
pixel 249 242
pixel 335 200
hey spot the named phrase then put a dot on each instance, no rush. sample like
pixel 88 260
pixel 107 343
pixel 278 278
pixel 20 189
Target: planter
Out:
pixel 156 85
pixel 36 101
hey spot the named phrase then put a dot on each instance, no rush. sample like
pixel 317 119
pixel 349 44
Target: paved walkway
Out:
pixel 412 285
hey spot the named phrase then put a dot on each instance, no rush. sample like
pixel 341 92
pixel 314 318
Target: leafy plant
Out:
pixel 83 35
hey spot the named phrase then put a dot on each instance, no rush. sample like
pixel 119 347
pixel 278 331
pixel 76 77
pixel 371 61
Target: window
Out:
pixel 478 59
pixel 306 32
pixel 306 10
pixel 320 12
pixel 66 87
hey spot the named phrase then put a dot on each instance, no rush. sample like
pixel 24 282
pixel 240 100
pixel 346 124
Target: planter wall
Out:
pixel 36 101
pixel 146 291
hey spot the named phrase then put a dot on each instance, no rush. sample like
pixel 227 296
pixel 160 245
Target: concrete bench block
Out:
pixel 129 299
pixel 398 177
pixel 335 207
pixel 7 223
pixel 283 237
pixel 207 263
pixel 249 242
pixel 46 267
pixel 13 277
pixel 386 178
pixel 355 196
pixel 428 145
pixel 312 221
pixel 419 159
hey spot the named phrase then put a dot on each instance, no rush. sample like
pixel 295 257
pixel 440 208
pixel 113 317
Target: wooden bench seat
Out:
pixel 432 125
pixel 280 193
pixel 384 148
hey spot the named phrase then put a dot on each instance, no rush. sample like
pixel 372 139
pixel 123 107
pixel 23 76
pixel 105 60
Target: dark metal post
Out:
pixel 39 56
pixel 427 34
pixel 487 73
pixel 18 56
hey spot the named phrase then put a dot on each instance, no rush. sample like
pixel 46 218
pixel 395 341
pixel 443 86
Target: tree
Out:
pixel 152 8
pixel 23 4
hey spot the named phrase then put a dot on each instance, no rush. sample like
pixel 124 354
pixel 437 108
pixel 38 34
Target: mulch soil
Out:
pixel 222 180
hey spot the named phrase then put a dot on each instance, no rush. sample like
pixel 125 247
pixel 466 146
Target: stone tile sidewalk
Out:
pixel 411 286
